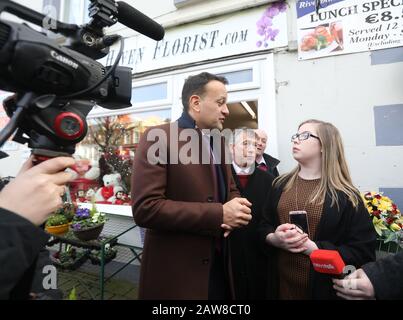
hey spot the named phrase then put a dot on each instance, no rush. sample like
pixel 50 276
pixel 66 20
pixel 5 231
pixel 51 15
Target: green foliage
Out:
pixel 62 215
pixel 56 220
pixel 68 210
pixel 73 294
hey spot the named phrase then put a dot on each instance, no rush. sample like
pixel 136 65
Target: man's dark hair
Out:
pixel 195 85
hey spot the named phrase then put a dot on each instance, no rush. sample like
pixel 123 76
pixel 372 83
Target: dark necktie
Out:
pixel 262 166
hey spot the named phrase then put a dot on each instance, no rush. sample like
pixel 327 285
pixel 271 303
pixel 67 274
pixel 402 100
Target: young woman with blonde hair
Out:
pixel 321 188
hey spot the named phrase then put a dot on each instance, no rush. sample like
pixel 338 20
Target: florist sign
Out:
pixel 347 26
pixel 247 31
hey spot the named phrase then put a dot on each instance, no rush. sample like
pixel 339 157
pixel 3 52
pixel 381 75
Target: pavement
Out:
pixel 86 280
pixel 87 287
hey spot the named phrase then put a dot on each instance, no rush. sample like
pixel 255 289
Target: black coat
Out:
pixel 347 230
pixel 386 276
pixel 20 243
pixel 272 164
pixel 248 260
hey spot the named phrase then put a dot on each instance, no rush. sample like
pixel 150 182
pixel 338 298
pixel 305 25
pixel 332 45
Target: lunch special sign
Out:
pixel 347 26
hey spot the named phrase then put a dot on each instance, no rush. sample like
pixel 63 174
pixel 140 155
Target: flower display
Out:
pixel 385 215
pixel 265 23
pixel 86 218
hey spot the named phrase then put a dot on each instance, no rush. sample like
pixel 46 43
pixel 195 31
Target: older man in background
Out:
pixel 264 161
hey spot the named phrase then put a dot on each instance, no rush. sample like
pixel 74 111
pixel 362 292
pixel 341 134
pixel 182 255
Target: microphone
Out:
pixel 327 261
pixel 138 21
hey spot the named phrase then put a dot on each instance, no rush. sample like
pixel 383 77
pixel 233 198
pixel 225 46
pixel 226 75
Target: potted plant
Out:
pixel 109 254
pixel 58 222
pixel 71 258
pixel 87 224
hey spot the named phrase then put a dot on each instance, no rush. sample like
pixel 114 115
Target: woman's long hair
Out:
pixel 335 175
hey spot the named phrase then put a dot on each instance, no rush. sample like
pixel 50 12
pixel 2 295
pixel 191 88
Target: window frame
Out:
pixel 150 82
pixel 154 105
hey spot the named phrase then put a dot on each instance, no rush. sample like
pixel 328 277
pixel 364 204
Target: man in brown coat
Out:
pixel 185 202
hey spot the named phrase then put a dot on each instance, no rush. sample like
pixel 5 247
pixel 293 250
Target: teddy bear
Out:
pixel 85 174
pixel 84 169
pixel 112 184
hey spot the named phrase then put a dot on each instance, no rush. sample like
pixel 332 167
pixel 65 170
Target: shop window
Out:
pixel 237 77
pixel 152 92
pixel 106 155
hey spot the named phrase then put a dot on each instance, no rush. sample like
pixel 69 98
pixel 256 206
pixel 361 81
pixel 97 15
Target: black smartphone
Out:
pixel 300 219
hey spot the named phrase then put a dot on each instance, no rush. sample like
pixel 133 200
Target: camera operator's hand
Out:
pixel 36 191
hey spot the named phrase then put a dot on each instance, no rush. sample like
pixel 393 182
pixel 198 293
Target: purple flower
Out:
pixel 260 23
pixel 282 6
pixel 265 23
pixel 272 34
pixel 76 226
pixel 83 213
pixel 272 12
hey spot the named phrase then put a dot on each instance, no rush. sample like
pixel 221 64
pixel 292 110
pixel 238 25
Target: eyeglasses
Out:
pixel 303 136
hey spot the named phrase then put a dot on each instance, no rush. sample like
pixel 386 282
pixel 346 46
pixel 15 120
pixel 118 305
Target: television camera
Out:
pixel 56 86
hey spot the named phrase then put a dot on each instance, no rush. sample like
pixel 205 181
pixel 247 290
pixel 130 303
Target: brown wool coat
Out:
pixel 175 203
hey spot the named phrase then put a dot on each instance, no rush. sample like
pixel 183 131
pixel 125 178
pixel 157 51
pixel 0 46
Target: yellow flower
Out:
pixel 394 227
pixel 384 205
pixel 379 226
pixel 388 218
pixel 375 202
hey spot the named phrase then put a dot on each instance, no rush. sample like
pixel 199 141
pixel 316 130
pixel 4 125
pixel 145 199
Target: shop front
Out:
pixel 231 46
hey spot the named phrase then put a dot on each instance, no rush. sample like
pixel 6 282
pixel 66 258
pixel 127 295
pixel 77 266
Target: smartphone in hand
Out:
pixel 300 219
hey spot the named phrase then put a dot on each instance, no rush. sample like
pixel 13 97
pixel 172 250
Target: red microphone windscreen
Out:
pixel 327 261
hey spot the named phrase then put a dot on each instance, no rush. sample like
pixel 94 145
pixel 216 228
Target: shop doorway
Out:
pixel 242 114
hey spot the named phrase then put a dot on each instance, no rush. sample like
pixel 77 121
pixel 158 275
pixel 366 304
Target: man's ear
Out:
pixel 194 103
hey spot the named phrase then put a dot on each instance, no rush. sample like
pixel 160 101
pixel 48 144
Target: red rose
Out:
pixel 376 213
pixel 378 196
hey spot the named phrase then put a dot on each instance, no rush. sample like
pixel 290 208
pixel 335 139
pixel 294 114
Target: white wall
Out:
pixel 342 90
pixel 165 12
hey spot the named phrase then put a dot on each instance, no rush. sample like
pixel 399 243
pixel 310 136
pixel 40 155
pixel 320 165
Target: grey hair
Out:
pixel 238 133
